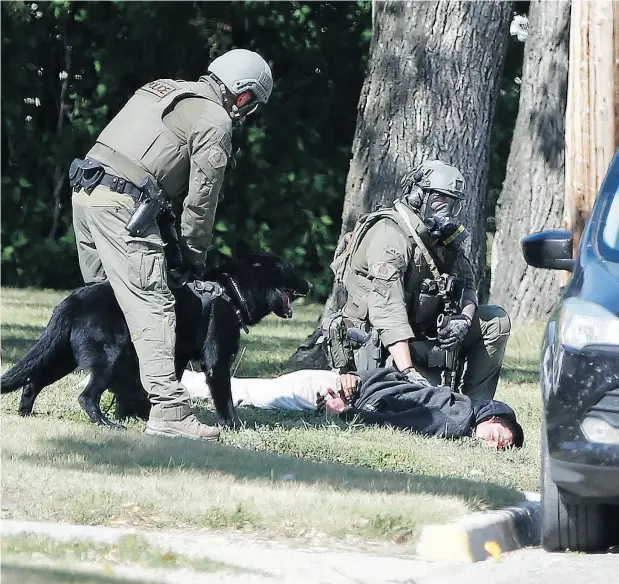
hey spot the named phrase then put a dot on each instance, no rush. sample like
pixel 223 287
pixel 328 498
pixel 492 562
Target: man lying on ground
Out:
pixel 379 396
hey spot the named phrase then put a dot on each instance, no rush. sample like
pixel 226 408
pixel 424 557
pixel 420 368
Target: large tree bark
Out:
pixel 532 195
pixel 430 92
pixel 592 109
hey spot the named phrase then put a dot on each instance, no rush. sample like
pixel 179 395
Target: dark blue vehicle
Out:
pixel 580 381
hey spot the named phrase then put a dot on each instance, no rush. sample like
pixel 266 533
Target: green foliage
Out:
pixel 287 191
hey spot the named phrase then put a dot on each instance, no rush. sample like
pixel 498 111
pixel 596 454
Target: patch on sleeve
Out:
pixel 383 271
pixel 384 275
pixel 217 157
pixel 159 88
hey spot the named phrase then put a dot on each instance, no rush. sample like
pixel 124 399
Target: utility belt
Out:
pixel 89 174
pixel 149 199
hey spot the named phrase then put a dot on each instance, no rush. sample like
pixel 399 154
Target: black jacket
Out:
pixel 386 397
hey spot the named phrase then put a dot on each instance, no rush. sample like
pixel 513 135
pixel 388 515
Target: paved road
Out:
pixel 277 561
pixel 532 566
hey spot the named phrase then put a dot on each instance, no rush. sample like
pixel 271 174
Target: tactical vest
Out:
pixel 137 134
pixel 350 241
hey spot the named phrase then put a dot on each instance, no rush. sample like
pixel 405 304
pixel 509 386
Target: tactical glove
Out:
pixel 454 331
pixel 413 376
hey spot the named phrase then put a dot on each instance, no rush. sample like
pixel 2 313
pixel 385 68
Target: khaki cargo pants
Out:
pixel 482 350
pixel 135 267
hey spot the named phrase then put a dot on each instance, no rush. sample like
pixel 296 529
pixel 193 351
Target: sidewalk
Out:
pixel 265 560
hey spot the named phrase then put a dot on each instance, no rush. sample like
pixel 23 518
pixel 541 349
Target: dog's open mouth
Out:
pixel 287 298
pixel 286 304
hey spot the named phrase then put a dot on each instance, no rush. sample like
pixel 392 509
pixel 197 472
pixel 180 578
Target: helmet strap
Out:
pixel 232 110
pixel 424 203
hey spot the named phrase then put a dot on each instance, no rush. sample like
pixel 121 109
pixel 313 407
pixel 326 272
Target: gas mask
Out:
pixel 435 191
pixel 439 212
pixel 446 231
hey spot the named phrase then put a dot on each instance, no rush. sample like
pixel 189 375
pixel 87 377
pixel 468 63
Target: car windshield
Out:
pixel 609 236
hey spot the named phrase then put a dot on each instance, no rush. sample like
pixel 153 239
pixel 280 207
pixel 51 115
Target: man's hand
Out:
pixel 334 403
pixel 347 385
pixel 454 332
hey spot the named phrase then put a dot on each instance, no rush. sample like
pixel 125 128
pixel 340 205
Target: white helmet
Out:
pixel 241 70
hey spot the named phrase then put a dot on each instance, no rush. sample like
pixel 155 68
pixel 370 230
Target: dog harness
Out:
pixel 215 289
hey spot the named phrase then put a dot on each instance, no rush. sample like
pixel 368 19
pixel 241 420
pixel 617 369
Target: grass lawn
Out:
pixel 284 474
pixel 34 558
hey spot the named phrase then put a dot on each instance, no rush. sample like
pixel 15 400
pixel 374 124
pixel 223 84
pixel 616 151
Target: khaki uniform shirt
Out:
pixel 384 283
pixel 179 133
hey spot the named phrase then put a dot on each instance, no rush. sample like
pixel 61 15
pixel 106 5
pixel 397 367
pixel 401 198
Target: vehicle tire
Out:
pixel 611 515
pixel 567 523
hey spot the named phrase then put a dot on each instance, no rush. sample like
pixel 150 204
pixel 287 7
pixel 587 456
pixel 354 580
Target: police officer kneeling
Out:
pixel 411 292
pixel 171 139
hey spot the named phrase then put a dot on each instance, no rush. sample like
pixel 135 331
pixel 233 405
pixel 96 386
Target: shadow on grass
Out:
pixel 122 454
pixel 253 418
pixel 520 374
pixel 19 574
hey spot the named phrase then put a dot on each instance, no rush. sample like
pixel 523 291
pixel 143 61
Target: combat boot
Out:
pixel 189 427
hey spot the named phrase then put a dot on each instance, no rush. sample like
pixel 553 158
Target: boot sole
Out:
pixel 173 434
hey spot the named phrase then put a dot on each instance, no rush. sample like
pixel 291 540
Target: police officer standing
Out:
pixel 171 139
pixel 402 267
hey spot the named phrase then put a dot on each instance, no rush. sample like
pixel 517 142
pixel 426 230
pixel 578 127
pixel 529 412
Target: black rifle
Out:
pixel 447 359
pixel 151 203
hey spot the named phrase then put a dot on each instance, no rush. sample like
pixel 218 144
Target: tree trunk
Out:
pixel 592 109
pixel 532 195
pixel 430 92
pixel 60 172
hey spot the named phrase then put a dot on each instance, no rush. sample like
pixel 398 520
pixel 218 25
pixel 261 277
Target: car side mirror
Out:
pixel 551 249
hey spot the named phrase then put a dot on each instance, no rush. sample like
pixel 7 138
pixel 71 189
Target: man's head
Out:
pixel 245 80
pixel 500 432
pixel 435 191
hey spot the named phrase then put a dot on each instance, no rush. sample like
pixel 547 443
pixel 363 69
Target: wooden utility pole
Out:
pixel 592 116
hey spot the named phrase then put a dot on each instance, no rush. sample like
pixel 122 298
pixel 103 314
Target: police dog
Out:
pixel 87 331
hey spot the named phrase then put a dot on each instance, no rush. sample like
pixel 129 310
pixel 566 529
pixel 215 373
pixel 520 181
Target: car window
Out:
pixel 609 240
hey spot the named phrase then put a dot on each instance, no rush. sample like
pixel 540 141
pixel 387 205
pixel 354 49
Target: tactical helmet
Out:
pixel 240 70
pixel 433 180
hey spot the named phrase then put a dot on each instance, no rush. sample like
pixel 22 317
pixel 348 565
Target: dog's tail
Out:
pixel 53 342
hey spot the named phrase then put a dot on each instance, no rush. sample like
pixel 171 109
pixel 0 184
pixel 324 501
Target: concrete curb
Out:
pixel 465 540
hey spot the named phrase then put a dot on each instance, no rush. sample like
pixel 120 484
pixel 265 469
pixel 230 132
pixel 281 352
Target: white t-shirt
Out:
pixel 291 391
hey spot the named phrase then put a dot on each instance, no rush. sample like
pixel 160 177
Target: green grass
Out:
pixel 27 572
pixel 130 550
pixel 285 473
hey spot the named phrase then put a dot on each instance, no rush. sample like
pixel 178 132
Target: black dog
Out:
pixel 87 330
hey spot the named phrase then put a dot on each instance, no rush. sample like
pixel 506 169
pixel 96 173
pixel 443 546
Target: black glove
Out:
pixel 413 376
pixel 454 331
